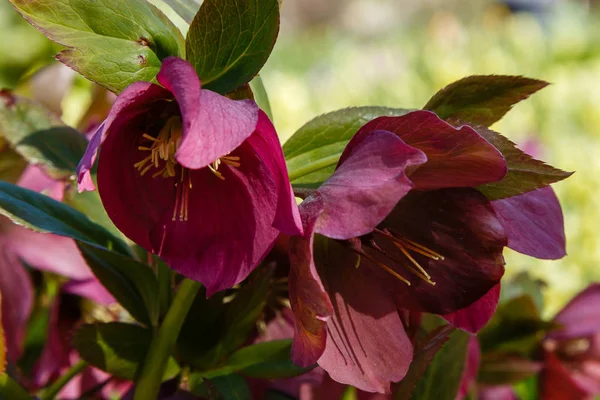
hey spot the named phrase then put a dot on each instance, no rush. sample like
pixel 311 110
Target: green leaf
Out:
pixel 132 283
pixel 482 99
pixel 111 42
pixel 230 40
pixel 11 390
pixel 186 9
pixel 424 352
pixel 314 150
pixel 218 326
pixel 117 348
pixel 527 389
pixel 260 96
pixel 505 369
pixel 442 378
pixel 268 360
pixel 232 387
pixel 40 136
pixel 524 174
pixel 43 214
pixel 12 165
pixel 521 284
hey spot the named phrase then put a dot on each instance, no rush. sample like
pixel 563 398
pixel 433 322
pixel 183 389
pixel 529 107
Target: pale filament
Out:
pixel 383 266
pixel 233 161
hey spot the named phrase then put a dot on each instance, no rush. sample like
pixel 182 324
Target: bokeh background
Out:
pixel 339 53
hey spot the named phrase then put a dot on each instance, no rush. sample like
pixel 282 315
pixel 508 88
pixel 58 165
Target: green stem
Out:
pixel 164 341
pixel 307 168
pixel 51 391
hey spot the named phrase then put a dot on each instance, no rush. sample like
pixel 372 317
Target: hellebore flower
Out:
pixel 411 234
pixel 572 354
pixel 192 176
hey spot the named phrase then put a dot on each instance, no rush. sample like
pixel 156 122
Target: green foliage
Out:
pixel 12 165
pixel 218 326
pixel 524 174
pixel 267 360
pixel 117 348
pixel 482 99
pixel 110 42
pixel 186 9
pixel 314 150
pixel 10 390
pixel 231 387
pixel 43 214
pixel 230 40
pixel 132 283
pixel 39 136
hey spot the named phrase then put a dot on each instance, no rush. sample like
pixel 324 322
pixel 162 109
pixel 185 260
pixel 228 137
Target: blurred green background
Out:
pixel 398 53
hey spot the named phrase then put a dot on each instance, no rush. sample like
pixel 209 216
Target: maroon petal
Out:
pixel 266 144
pixel 310 303
pixel 533 223
pixel 367 346
pixel 457 157
pixel 461 226
pixel 368 182
pixel 17 301
pixel 477 315
pixel 581 317
pixel 556 382
pixel 135 100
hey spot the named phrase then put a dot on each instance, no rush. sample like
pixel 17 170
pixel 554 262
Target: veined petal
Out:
pixel 310 303
pixel 368 182
pixel 533 223
pixel 581 316
pixel 366 346
pixel 265 143
pixel 478 314
pixel 457 224
pixel 456 157
pixel 135 100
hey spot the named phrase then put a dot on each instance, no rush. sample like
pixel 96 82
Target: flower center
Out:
pixel 405 246
pixel 162 150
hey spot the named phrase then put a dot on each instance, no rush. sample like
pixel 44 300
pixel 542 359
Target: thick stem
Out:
pixel 148 384
pixel 51 391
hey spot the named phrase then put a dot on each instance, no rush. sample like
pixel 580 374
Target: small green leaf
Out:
pixel 39 136
pixel 268 360
pixel 505 369
pixel 11 390
pixel 260 96
pixel 111 42
pixel 232 387
pixel 230 40
pixel 186 9
pixel 117 348
pixel 132 283
pixel 524 174
pixel 482 99
pixel 314 150
pixel 521 284
pixel 43 214
pixel 12 165
pixel 442 378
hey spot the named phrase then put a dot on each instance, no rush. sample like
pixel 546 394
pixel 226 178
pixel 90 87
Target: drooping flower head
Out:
pixel 192 176
pixel 412 233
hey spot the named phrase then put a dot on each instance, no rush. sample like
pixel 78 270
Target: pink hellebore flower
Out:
pixel 412 232
pixel 572 353
pixel 192 176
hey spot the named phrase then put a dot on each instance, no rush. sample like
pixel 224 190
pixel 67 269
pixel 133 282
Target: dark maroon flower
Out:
pixel 193 176
pixel 572 353
pixel 411 234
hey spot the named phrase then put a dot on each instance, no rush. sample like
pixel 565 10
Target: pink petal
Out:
pixel 581 316
pixel 310 303
pixel 213 125
pixel 17 300
pixel 533 223
pixel 477 315
pixel 266 144
pixel 34 178
pixel 90 289
pixel 367 346
pixel 471 368
pixel 368 182
pixel 457 157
